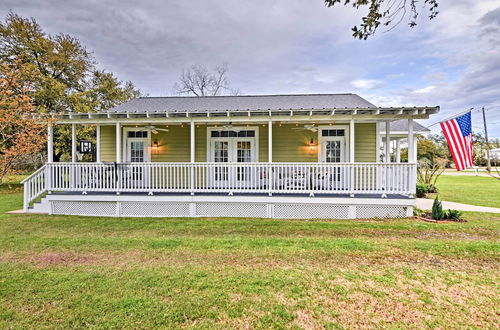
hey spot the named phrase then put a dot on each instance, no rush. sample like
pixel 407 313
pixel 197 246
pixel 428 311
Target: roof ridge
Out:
pixel 251 95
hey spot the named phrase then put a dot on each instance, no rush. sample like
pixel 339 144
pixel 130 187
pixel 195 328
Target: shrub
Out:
pixel 437 210
pixel 422 189
pixel 418 212
pixel 453 215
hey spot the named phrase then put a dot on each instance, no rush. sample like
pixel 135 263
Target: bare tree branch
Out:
pixel 199 81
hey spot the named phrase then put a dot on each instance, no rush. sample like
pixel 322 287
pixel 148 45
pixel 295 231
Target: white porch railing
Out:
pixel 287 178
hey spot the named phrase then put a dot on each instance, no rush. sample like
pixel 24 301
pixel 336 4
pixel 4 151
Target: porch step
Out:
pixel 43 206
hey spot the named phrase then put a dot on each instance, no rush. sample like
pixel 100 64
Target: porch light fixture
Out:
pixel 312 146
pixel 85 147
pixel 155 145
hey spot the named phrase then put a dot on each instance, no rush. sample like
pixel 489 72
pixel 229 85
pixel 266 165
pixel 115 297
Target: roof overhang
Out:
pixel 375 114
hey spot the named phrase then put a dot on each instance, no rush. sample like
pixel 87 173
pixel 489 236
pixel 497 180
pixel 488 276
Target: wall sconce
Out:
pixel 312 146
pixel 155 145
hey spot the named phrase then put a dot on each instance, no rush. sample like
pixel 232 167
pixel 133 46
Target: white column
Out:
pixel 118 143
pixel 73 143
pixel 192 142
pixel 50 144
pixel 387 141
pixel 351 141
pixel 411 143
pixel 270 142
pixel 378 142
pixel 398 150
pixel 98 144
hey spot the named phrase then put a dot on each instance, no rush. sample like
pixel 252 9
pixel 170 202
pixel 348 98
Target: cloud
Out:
pixel 367 83
pixel 290 46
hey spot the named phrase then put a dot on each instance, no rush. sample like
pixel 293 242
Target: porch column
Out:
pixel 192 142
pixel 50 144
pixel 118 143
pixel 411 143
pixel 270 142
pixel 270 172
pixel 191 158
pixel 398 150
pixel 378 142
pixel 73 143
pixel 98 144
pixel 351 141
pixel 387 141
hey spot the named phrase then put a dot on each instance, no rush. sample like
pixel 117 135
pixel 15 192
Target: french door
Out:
pixel 232 150
pixel 137 152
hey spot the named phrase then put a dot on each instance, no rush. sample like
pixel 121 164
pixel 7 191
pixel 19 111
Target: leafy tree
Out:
pixel 66 79
pixel 20 135
pixel 385 12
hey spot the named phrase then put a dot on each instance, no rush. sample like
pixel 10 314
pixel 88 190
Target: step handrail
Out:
pixel 34 186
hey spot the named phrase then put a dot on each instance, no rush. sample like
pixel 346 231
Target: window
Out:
pixel 243 133
pixel 332 132
pixel 138 134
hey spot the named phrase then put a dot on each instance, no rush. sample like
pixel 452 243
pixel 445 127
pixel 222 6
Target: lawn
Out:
pixel 74 272
pixel 475 190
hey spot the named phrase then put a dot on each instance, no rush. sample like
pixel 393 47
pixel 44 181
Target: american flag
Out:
pixel 458 134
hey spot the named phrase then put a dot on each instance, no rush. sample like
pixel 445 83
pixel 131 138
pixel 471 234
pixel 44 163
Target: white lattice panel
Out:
pixel 375 211
pixel 313 211
pixel 84 208
pixel 245 210
pixel 154 209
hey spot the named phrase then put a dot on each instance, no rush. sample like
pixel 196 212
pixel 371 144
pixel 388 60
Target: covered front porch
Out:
pixel 321 160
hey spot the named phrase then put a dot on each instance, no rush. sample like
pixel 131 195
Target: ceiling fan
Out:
pixel 155 130
pixel 308 127
pixel 230 127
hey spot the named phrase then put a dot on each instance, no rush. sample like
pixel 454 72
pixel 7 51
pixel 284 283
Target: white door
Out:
pixel 137 152
pixel 231 149
pixel 333 150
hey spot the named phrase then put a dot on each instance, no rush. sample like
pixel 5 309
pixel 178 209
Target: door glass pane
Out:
pixel 243 155
pixel 221 155
pixel 333 152
pixel 137 151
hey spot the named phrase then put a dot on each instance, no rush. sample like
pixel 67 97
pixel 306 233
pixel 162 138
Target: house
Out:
pixel 399 138
pixel 269 156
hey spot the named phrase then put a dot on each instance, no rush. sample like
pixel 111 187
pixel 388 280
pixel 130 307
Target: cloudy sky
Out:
pixel 292 46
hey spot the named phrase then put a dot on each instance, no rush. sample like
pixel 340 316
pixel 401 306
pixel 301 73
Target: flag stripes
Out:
pixel 458 134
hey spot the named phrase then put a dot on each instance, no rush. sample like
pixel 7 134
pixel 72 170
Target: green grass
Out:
pixel 75 272
pixel 475 190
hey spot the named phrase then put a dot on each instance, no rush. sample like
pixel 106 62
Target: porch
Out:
pixel 235 157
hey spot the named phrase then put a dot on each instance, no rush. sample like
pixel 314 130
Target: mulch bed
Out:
pixel 429 219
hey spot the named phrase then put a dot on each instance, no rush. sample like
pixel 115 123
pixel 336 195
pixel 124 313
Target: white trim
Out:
pixel 378 142
pixel 255 140
pixel 270 142
pixel 126 139
pixel 352 141
pixel 411 146
pixel 118 137
pixel 73 143
pixel 387 151
pixel 323 139
pixel 98 144
pixel 50 144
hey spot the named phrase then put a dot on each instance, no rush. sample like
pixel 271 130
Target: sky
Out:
pixel 293 46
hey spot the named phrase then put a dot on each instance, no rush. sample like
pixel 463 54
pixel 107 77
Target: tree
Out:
pixel 199 81
pixel 20 135
pixel 385 12
pixel 66 80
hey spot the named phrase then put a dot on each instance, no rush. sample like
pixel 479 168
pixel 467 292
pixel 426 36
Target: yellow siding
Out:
pixel 290 145
pixel 108 143
pixel 365 142
pixel 173 146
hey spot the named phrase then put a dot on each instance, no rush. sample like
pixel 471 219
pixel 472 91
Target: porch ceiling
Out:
pixel 259 115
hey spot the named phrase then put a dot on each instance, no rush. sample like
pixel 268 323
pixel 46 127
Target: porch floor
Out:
pixel 276 195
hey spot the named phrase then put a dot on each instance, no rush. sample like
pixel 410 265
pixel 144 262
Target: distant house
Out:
pixel 495 155
pixel 274 156
pixel 399 137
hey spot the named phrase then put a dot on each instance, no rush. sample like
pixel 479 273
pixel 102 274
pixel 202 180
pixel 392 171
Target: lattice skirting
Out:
pixel 228 209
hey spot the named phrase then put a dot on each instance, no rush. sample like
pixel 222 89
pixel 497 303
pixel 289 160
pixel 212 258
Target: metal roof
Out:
pixel 241 103
pixel 402 126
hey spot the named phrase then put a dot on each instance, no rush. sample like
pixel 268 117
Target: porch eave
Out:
pixel 245 116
